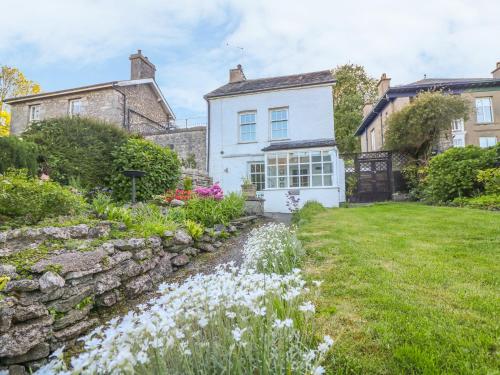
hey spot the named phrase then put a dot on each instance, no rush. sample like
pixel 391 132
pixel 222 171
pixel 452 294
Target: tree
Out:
pixel 13 83
pixel 416 128
pixel 352 90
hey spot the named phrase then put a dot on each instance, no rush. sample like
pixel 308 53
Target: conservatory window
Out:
pixel 299 169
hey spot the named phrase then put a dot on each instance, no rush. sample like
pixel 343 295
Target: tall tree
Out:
pixel 416 128
pixel 13 83
pixel 352 90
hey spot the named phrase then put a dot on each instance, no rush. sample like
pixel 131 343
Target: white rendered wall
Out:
pixel 310 116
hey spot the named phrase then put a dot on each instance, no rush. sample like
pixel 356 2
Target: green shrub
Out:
pixel 209 211
pixel 160 163
pixel 453 173
pixel 486 202
pixel 414 176
pixel 188 183
pixel 19 154
pixel 490 179
pixel 77 149
pixel 194 229
pixel 30 200
pixel 307 212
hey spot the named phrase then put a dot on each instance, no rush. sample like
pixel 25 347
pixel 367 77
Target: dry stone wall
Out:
pixel 54 302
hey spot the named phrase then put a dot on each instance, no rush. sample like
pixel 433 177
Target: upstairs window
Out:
pixel 248 121
pixel 457 125
pixel 484 110
pixel 34 112
pixel 279 123
pixel 75 107
pixel 372 140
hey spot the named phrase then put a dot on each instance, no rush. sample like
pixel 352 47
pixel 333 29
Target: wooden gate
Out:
pixel 372 174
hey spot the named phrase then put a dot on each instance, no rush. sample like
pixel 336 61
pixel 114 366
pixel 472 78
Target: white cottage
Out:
pixel 279 133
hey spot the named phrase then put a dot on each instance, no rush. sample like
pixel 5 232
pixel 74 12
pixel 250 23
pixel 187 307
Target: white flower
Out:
pixel 230 314
pixel 237 333
pixel 328 340
pixel 318 370
pixel 307 307
pixel 203 322
pixel 317 283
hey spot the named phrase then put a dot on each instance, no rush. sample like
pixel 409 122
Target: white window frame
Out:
pixel 272 122
pixel 373 141
pixel 251 174
pixel 481 108
pixel 325 176
pixel 241 124
pixel 487 141
pixel 457 125
pixel 70 107
pixel 34 112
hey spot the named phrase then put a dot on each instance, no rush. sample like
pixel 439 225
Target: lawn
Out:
pixel 408 288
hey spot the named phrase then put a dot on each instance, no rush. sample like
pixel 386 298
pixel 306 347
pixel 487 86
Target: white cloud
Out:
pixel 406 39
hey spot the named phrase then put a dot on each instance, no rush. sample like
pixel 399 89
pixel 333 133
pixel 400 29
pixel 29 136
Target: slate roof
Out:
pixel 266 84
pixel 313 143
pixel 455 85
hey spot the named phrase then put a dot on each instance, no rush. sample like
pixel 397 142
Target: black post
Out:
pixel 133 174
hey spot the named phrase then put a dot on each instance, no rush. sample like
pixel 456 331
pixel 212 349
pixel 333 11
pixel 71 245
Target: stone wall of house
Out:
pixel 199 178
pixel 190 144
pixel 104 104
pixel 60 296
pixel 143 106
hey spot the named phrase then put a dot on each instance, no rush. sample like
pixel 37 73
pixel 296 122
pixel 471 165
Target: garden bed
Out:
pixel 58 276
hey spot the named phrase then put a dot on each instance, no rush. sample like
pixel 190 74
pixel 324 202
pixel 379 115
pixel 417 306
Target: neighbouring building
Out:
pixel 279 133
pixel 481 129
pixel 137 105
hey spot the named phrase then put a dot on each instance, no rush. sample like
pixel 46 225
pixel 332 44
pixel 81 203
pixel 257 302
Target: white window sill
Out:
pixel 302 188
pixel 279 139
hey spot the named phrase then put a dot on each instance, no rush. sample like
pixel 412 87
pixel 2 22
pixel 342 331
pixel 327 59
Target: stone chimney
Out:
pixel 141 67
pixel 367 109
pixel 496 72
pixel 236 75
pixel 383 85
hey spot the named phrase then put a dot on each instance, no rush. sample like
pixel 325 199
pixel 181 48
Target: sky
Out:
pixel 64 44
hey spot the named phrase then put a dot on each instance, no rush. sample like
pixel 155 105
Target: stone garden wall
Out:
pixel 54 301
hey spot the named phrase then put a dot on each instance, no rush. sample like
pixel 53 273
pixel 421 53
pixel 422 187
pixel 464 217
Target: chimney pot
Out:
pixel 141 67
pixel 236 75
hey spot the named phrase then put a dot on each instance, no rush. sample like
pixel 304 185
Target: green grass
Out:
pixel 408 288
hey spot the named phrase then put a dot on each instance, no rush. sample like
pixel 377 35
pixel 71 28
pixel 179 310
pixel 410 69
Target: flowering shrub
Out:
pixel 233 321
pixel 215 192
pixel 179 194
pixel 272 248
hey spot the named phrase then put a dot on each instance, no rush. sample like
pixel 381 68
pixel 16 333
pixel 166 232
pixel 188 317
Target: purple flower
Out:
pixel 215 192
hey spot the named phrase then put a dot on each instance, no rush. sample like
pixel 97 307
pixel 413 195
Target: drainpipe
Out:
pixel 208 136
pixel 124 114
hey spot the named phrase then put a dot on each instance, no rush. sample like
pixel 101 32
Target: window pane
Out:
pixel 304 181
pixel 294 170
pixel 271 183
pixel 327 156
pixel 294 182
pixel 317 180
pixel 271 171
pixel 282 170
pixel 327 167
pixel 282 182
pixel 271 159
pixel 316 156
pixel 327 180
pixel 282 159
pixel 304 157
pixel 304 169
pixel 316 168
pixel 294 158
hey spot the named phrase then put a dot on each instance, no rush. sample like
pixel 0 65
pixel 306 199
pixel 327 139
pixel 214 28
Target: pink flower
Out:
pixel 215 192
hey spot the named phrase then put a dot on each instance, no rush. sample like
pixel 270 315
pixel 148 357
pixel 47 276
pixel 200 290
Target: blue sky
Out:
pixel 64 44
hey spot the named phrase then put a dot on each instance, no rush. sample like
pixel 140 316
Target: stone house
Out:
pixel 481 129
pixel 279 133
pixel 137 105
